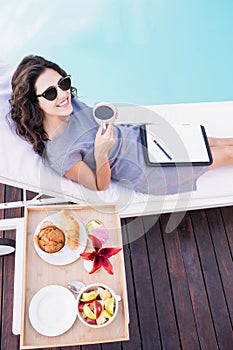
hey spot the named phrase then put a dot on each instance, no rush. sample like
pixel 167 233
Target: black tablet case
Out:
pixel 175 145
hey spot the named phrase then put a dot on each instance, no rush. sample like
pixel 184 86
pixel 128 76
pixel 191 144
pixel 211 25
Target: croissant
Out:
pixel 70 227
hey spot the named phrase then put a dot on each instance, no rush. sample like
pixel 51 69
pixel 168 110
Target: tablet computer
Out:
pixel 174 145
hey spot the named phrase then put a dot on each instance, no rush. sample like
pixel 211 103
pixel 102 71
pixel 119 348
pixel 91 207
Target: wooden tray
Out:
pixel 38 274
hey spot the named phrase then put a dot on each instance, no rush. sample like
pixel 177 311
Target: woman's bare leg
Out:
pixel 221 156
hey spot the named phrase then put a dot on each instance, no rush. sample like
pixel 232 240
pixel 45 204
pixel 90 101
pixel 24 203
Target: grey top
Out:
pixel 126 157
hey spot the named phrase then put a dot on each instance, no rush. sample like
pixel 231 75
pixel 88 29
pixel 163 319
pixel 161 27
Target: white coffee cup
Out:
pixel 104 113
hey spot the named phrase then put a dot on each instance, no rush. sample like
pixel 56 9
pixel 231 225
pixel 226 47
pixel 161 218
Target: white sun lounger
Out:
pixel 21 167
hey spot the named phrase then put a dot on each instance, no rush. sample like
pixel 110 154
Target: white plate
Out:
pixel 66 255
pixel 52 310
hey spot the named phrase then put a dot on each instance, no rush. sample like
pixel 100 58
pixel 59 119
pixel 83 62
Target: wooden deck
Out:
pixel 180 284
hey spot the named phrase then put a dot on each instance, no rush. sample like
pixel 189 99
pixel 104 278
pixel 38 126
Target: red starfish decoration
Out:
pixel 100 256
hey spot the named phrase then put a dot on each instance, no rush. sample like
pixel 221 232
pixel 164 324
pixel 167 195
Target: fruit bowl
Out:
pixel 97 305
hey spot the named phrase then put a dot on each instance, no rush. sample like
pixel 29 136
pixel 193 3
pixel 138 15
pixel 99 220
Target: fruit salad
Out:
pixel 97 306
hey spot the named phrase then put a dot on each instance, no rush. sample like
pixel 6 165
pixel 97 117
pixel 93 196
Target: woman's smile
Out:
pixel 64 103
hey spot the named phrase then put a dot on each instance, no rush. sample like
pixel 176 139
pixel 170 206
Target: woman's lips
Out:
pixel 63 103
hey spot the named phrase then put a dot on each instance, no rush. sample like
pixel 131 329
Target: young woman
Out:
pixel 62 130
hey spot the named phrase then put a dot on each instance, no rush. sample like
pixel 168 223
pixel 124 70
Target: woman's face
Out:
pixel 61 106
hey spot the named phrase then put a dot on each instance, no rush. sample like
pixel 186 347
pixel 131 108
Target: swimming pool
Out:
pixel 131 51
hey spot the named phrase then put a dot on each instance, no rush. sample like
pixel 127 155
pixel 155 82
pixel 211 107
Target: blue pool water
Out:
pixel 131 51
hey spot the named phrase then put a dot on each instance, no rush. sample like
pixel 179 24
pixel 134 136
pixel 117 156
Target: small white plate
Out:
pixel 66 255
pixel 52 310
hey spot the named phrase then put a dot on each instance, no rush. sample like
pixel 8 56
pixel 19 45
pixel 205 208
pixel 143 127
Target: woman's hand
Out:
pixel 104 142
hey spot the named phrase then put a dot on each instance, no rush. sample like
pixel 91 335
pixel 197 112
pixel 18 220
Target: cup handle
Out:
pixel 104 127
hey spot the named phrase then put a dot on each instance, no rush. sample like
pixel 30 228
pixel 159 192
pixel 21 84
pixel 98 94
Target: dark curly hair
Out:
pixel 25 110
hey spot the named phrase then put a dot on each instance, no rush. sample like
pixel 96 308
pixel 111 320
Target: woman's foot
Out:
pixel 220 142
pixel 222 156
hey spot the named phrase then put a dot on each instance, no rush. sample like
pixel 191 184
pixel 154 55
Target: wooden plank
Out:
pixel 161 283
pixel 212 279
pixel 223 255
pixel 112 346
pixel 180 289
pixel 202 315
pixel 31 195
pixel 227 213
pixel 148 325
pixel 88 347
pixel 53 349
pixel 135 339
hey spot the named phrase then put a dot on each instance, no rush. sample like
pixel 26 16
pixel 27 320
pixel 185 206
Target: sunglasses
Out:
pixel 50 93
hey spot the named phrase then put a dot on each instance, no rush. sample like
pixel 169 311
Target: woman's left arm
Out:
pixel 83 174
